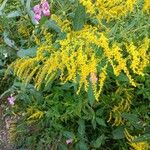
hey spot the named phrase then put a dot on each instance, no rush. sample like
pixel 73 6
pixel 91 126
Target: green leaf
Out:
pixel 62 147
pixel 142 138
pixel 51 24
pixel 101 121
pixel 3 5
pixel 91 97
pixel 8 41
pixel 31 52
pixel 43 21
pixel 81 146
pixel 118 133
pixel 113 30
pixel 68 135
pixel 79 18
pixel 122 78
pixel 14 14
pixel 99 141
pixel 132 118
pixel 30 12
pixel 81 128
pixel 94 123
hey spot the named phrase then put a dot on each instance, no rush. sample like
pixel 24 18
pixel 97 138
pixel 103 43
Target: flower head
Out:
pixel 93 77
pixel 69 141
pixel 11 100
pixel 45 8
pixel 37 13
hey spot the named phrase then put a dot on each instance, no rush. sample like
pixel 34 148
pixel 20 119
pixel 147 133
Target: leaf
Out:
pixel 62 147
pixel 22 2
pixel 52 25
pixel 31 52
pixel 91 97
pixel 79 18
pixel 30 12
pixel 142 138
pixel 81 128
pixel 100 121
pixel 99 141
pixel 3 5
pixel 68 135
pixel 14 14
pixel 42 21
pixel 118 133
pixel 132 118
pixel 67 86
pixel 113 30
pixel 94 123
pixel 8 41
pixel 81 146
pixel 122 78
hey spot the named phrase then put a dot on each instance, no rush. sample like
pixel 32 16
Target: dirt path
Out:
pixel 4 140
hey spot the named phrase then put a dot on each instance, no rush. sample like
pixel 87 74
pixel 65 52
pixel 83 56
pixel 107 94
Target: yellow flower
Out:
pixel 136 145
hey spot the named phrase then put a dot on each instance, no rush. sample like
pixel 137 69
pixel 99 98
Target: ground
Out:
pixel 4 126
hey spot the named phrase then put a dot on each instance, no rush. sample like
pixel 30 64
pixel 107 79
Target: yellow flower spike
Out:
pixel 128 136
pixel 102 78
pixel 30 75
pixel 76 57
pixel 146 6
pixel 123 106
pixel 114 9
pixel 136 145
pixel 118 119
pixel 110 117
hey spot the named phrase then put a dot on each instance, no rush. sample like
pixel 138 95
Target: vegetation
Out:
pixel 75 74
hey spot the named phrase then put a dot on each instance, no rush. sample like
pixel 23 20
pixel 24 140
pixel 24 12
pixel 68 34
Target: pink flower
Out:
pixel 93 77
pixel 11 100
pixel 37 13
pixel 45 8
pixel 69 141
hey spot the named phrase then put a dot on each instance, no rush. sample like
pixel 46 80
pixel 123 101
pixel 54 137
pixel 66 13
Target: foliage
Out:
pixel 80 74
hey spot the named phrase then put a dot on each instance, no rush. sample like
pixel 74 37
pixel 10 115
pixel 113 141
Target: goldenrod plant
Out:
pixel 82 78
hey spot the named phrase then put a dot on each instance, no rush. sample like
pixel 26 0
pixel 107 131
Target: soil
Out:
pixel 4 127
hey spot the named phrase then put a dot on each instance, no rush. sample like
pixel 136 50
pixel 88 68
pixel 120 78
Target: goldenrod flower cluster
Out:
pixel 146 6
pixel 123 106
pixel 24 31
pixel 136 145
pixel 76 58
pixel 34 114
pixel 113 9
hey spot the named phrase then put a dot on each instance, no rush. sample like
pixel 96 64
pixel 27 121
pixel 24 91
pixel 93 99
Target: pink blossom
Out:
pixel 45 8
pixel 11 100
pixel 37 13
pixel 93 77
pixel 69 141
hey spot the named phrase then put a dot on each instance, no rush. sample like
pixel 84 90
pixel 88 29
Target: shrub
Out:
pixel 82 76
